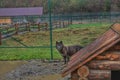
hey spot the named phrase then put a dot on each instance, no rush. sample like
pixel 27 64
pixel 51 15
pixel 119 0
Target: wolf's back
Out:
pixel 73 49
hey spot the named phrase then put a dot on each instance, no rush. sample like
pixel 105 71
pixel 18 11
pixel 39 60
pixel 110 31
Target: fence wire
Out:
pixel 38 31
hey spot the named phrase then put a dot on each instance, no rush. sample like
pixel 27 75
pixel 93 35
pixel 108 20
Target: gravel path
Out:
pixel 37 70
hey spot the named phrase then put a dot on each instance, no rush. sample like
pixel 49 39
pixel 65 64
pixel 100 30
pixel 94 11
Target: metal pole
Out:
pixel 111 10
pixel 0 38
pixel 50 24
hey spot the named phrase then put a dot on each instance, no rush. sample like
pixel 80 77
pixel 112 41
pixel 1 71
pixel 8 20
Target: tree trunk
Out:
pixel 99 75
pixel 104 65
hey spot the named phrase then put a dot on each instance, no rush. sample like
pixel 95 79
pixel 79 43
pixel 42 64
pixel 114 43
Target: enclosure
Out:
pixel 28 37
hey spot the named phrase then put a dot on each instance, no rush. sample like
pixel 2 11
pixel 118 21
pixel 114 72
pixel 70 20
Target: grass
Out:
pixel 82 34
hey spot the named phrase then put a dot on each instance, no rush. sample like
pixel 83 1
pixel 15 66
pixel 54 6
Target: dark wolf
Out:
pixel 67 51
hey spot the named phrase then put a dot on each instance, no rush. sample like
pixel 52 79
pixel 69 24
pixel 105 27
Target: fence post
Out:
pixel 39 25
pixel 16 28
pixel 71 19
pixel 0 37
pixel 63 24
pixel 50 24
pixel 46 26
pixel 27 26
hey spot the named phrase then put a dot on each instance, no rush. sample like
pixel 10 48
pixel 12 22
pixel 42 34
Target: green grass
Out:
pixel 82 34
pixel 26 54
pixel 89 25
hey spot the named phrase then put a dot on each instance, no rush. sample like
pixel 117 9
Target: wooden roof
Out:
pixel 104 42
pixel 30 11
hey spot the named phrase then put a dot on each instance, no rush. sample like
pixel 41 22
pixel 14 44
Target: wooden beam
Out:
pixel 104 65
pixel 99 75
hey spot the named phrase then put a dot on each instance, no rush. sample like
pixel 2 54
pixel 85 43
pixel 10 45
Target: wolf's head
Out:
pixel 59 45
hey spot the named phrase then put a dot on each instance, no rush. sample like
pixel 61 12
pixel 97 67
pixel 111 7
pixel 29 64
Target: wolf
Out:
pixel 67 51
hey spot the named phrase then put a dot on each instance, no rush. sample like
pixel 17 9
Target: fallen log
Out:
pixel 104 65
pixel 111 55
pixel 93 75
pixel 99 75
pixel 83 72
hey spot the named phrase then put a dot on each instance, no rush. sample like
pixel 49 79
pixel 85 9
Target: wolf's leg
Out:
pixel 65 59
pixel 68 58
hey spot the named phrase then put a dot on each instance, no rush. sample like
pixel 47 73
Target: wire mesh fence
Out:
pixel 61 20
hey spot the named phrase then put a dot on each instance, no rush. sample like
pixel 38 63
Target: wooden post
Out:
pixel 16 28
pixel 59 24
pixel 63 24
pixel 46 26
pixel 39 26
pixel 71 20
pixel 28 25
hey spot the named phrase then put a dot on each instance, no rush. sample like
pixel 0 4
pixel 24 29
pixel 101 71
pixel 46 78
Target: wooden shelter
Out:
pixel 7 15
pixel 100 60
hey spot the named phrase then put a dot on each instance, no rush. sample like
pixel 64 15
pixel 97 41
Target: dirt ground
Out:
pixel 31 70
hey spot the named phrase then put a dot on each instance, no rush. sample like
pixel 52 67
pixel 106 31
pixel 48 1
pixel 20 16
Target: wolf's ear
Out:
pixel 56 42
pixel 61 42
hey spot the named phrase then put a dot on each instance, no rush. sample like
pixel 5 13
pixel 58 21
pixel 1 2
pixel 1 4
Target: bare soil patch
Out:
pixel 31 70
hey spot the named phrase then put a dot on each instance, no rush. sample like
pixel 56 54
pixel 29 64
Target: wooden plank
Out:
pixel 93 47
pixel 86 54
